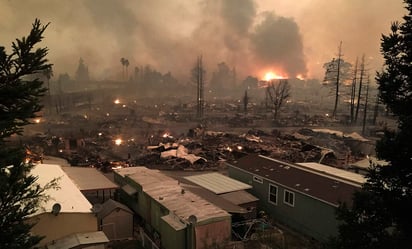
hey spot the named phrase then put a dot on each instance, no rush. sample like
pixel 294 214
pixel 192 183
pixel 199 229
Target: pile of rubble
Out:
pixel 203 149
pixel 199 149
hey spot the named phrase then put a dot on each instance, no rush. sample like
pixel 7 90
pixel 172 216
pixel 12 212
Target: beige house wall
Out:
pixel 58 226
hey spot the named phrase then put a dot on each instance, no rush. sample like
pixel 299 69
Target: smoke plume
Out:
pixel 249 35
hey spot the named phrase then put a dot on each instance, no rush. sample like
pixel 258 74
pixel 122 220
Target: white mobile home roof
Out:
pixel 218 183
pixel 89 178
pixel 332 171
pixel 67 194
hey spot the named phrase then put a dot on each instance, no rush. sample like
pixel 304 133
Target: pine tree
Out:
pixel 381 215
pixel 20 94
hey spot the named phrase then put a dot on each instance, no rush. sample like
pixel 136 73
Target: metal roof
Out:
pixel 89 178
pixel 111 205
pixel 344 174
pixel 168 192
pixel 239 197
pixel 79 239
pixel 67 194
pixel 218 183
pixel 366 163
pixel 318 185
pixel 217 200
pixel 208 195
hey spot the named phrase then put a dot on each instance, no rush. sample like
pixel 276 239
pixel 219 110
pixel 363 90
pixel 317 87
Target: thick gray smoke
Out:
pixel 239 15
pixel 168 35
pixel 250 44
pixel 276 41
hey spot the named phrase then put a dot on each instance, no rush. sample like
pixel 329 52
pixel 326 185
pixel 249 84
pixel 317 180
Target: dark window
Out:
pixel 273 194
pixel 289 198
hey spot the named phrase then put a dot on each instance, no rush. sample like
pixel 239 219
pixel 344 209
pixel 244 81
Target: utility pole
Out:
pixel 200 97
pixel 353 93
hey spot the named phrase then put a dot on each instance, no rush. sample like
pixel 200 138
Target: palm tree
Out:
pixel 126 64
pixel 123 61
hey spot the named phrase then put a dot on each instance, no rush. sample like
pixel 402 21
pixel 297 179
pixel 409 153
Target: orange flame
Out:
pixel 300 77
pixel 273 75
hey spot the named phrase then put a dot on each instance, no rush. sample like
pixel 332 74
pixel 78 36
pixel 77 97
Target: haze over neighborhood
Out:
pixel 290 37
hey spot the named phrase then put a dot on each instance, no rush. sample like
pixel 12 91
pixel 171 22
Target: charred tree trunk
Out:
pixel 361 77
pixel 366 107
pixel 353 93
pixel 337 81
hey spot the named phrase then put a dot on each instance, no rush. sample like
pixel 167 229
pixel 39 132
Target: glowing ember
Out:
pixel 300 77
pixel 117 101
pixel 37 120
pixel 118 141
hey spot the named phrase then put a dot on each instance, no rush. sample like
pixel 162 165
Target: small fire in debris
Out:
pixel 118 141
pixel 117 101
pixel 300 77
pixel 167 135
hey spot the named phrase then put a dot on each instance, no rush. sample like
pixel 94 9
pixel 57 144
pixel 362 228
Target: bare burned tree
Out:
pixel 245 101
pixel 278 93
pixel 362 77
pixel 336 75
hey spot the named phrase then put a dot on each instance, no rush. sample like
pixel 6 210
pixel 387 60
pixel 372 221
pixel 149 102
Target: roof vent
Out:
pixel 306 189
pixel 192 219
pixel 182 191
pixel 56 209
pixel 160 197
pixel 297 184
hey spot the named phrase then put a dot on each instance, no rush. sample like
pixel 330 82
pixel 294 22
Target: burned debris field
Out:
pixel 165 133
pixel 205 124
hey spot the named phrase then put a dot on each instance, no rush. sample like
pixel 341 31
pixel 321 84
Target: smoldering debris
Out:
pixel 202 149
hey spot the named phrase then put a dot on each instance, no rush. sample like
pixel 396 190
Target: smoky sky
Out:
pixel 250 35
pixel 239 14
pixel 276 41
